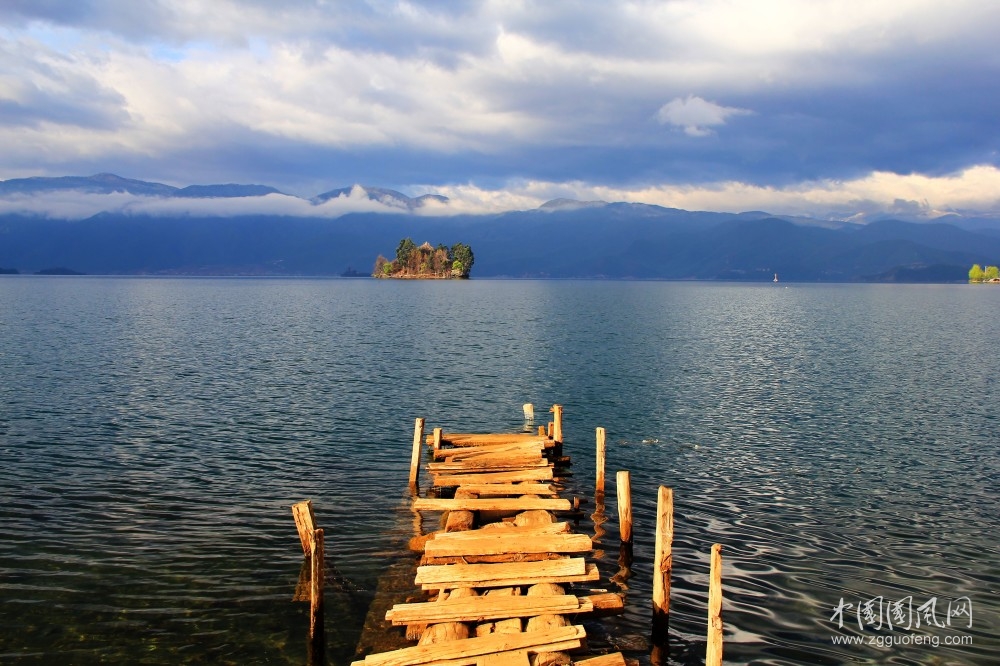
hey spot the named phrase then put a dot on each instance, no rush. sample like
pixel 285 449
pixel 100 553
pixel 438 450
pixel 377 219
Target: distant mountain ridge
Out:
pixel 561 239
pixel 109 183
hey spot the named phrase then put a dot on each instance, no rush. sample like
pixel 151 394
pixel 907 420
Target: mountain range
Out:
pixel 563 238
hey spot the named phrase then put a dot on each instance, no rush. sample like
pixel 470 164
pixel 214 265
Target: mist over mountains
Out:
pixel 263 235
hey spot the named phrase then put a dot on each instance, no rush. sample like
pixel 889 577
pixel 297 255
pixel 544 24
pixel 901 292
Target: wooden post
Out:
pixel 713 650
pixel 600 460
pixel 305 523
pixel 557 414
pixel 663 561
pixel 529 411
pixel 438 434
pixel 418 437
pixel 542 431
pixel 316 633
pixel 624 485
pixel 550 430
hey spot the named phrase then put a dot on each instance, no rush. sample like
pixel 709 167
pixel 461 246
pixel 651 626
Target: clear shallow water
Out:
pixel 840 441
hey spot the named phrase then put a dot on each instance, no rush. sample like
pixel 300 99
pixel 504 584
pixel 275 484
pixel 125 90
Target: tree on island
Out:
pixel 425 261
pixel 978 274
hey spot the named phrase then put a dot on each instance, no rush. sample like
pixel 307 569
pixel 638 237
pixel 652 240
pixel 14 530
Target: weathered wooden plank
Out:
pixel 534 474
pixel 305 523
pixel 501 457
pixel 492 504
pixel 508 489
pixel 512 658
pixel 478 609
pixel 478 439
pixel 474 572
pixel 496 542
pixel 521 573
pixel 508 529
pixel 496 465
pixel 468 650
pixel 613 659
pixel 489 449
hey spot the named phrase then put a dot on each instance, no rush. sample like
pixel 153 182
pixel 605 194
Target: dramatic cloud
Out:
pixel 695 115
pixel 772 96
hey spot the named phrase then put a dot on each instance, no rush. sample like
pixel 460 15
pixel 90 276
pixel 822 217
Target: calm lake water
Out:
pixel 840 441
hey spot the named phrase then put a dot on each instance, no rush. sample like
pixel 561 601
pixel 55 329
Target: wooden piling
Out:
pixel 624 488
pixel 305 523
pixel 663 562
pixel 529 411
pixel 557 415
pixel 418 437
pixel 713 650
pixel 438 434
pixel 316 633
pixel 601 451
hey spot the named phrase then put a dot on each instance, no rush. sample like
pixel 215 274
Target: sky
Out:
pixel 797 107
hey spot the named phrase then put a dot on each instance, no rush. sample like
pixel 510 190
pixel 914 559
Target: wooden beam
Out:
pixel 663 561
pixel 316 633
pixel 492 504
pixel 418 435
pixel 509 579
pixel 533 474
pixel 601 451
pixel 713 650
pixel 507 529
pixel 465 652
pixel 508 489
pixel 479 609
pixel 623 485
pixel 501 463
pixel 477 439
pixel 305 523
pixel 613 659
pixel 557 420
pixel 497 543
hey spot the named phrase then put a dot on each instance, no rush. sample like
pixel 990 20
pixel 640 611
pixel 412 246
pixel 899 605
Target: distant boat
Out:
pixel 775 277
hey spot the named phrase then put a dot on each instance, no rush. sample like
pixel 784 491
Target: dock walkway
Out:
pixel 497 577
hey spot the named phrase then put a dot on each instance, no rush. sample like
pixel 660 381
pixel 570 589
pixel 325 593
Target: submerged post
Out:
pixel 600 460
pixel 316 633
pixel 418 436
pixel 713 650
pixel 663 562
pixel 624 488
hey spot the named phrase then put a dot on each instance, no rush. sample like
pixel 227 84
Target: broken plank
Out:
pixel 535 474
pixel 613 659
pixel 508 574
pixel 468 650
pixel 496 542
pixel 498 465
pixel 492 504
pixel 508 489
pixel 479 439
pixel 508 529
pixel 478 609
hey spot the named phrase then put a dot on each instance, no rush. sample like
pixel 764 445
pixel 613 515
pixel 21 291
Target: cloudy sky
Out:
pixel 820 107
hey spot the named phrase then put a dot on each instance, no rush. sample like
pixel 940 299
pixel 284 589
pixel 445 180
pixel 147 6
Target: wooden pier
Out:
pixel 496 582
pixel 497 576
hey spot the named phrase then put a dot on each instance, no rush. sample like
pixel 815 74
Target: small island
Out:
pixel 425 262
pixel 990 274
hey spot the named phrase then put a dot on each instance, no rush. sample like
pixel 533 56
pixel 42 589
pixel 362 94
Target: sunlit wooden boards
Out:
pixel 516 476
pixel 496 542
pixel 507 574
pixel 469 651
pixel 485 439
pixel 492 504
pixel 478 609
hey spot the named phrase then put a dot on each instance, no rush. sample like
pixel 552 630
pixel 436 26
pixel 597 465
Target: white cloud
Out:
pixel 696 115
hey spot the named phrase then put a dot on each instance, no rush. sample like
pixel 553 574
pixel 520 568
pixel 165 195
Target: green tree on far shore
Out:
pixel 978 274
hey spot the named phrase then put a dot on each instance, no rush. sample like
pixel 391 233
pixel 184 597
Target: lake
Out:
pixel 840 441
